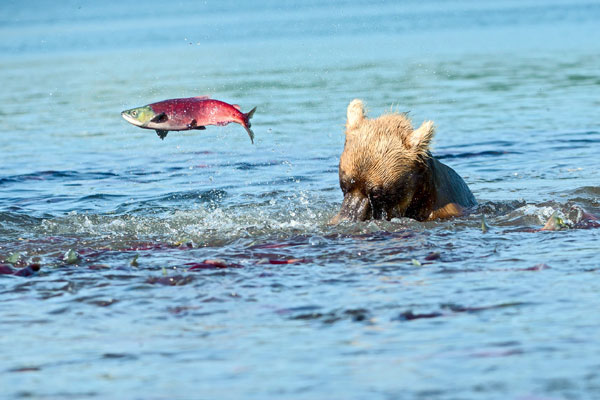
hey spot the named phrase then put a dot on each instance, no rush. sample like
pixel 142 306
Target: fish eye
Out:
pixel 134 113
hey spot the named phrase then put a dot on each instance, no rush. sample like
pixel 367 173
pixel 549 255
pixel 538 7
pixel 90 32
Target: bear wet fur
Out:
pixel 387 171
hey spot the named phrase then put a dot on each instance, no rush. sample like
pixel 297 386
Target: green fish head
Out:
pixel 139 116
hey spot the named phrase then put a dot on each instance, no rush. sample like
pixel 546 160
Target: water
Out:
pixel 296 308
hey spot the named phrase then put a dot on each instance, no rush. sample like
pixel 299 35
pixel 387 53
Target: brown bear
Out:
pixel 386 171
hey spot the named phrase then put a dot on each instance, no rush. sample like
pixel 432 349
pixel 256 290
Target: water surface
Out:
pixel 120 223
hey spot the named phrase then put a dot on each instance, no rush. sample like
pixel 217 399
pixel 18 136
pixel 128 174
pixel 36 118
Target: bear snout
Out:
pixel 355 207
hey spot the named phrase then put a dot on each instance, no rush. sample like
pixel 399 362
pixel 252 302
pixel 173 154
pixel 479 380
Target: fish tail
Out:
pixel 247 123
pixel 250 133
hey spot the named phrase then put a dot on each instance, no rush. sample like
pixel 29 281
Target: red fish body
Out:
pixel 188 113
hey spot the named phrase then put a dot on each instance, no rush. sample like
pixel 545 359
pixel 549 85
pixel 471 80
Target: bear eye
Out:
pixel 347 184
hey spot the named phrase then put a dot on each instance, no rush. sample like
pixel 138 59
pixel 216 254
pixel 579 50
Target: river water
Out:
pixel 108 228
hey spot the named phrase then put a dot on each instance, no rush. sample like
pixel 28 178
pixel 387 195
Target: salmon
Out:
pixel 186 114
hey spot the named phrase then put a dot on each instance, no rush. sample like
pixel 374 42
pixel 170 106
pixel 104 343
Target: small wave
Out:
pixel 100 196
pixel 496 208
pixel 204 196
pixel 522 215
pixel 244 166
pixel 15 223
pixel 56 175
pixel 593 191
pixel 210 224
pixel 181 200
pixel 215 225
pixel 527 215
pixel 489 153
pixel 314 313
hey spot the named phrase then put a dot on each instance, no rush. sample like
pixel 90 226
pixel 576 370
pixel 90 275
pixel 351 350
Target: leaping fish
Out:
pixel 188 113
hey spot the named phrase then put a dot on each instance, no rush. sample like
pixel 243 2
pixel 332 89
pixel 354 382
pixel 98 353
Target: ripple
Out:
pixel 488 153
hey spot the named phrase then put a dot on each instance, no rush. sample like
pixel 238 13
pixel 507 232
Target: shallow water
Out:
pixel 120 223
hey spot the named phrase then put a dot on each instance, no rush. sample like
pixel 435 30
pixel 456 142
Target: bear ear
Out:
pixel 355 114
pixel 420 139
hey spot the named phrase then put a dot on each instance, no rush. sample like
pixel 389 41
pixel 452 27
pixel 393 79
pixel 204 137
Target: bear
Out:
pixel 387 171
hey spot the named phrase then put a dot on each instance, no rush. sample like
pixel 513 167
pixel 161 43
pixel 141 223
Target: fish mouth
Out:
pixel 130 119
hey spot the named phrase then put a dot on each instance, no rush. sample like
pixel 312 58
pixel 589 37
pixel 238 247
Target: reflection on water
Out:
pixel 147 268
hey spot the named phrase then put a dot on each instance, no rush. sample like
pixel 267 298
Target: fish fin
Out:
pixel 162 133
pixel 162 117
pixel 249 115
pixel 484 226
pixel 194 125
pixel 237 107
pixel 202 97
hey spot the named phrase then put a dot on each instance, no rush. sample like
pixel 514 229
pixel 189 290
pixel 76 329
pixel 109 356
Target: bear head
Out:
pixel 384 171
